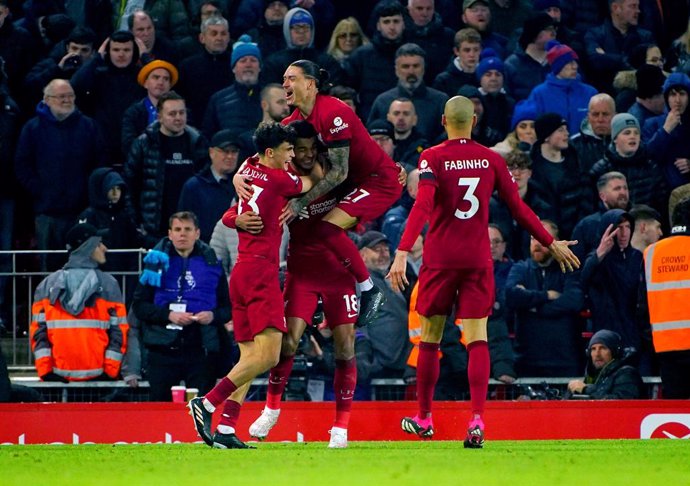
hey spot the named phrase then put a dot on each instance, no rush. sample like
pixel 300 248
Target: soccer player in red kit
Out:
pixel 457 178
pixel 356 161
pixel 312 273
pixel 257 302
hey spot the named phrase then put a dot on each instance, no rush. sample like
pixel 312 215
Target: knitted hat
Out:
pixel 489 60
pixel 650 81
pixel 540 5
pixel 533 26
pixel 558 55
pixel 622 121
pixel 158 64
pixel 302 17
pixel 242 48
pixel 610 339
pixel 548 123
pixel 524 110
pixel 381 127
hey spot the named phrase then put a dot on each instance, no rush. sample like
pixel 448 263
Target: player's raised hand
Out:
pixel 561 252
pixel 250 222
pixel 396 274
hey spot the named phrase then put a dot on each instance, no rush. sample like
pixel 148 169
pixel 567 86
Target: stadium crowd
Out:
pixel 123 113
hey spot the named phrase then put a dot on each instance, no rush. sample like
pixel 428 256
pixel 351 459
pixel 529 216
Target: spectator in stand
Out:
pixel 500 347
pixel 79 49
pixel 628 155
pixel 564 34
pixel 199 12
pixel 92 14
pixel 563 91
pixel 527 67
pixel 678 56
pixel 152 45
pixel 609 45
pixel 79 324
pixel 269 31
pixel 428 102
pixel 388 333
pixel 611 276
pixel 608 374
pixel 546 303
pixel 557 174
pixel 57 149
pixel 481 132
pixel 498 106
pixel 237 107
pixel 649 101
pixel 424 27
pixel 625 82
pixel 382 133
pixel 476 14
pixel 460 71
pixel 274 108
pixel 107 85
pixel 396 217
pixel 612 188
pixel 203 75
pixel 210 192
pixel 169 16
pixel 647 230
pixel 522 130
pixel 667 295
pixel 17 48
pixel 345 94
pixel 518 239
pixel 299 30
pixel 370 68
pixel 182 318
pixel 583 15
pixel 347 36
pixel 161 160
pixel 157 77
pixel 507 16
pixel 668 136
pixel 594 134
pixel 409 143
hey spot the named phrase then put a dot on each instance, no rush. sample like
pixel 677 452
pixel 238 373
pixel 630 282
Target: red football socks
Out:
pixel 343 247
pixel 277 381
pixel 221 392
pixel 344 384
pixel 478 369
pixel 231 412
pixel 428 368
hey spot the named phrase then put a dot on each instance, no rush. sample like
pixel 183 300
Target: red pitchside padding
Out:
pixel 79 423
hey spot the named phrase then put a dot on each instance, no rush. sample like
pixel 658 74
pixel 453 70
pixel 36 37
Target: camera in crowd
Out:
pixel 72 63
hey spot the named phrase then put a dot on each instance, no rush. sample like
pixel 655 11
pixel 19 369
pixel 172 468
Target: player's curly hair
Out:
pixel 312 70
pixel 271 135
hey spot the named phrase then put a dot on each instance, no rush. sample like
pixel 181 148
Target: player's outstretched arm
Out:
pixel 396 274
pixel 560 251
pixel 337 173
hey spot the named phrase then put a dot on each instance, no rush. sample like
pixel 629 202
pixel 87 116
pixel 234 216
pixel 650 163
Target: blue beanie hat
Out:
pixel 489 60
pixel 301 16
pixel 524 110
pixel 558 55
pixel 244 47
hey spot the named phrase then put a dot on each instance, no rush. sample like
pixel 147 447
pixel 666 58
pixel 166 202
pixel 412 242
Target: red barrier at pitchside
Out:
pixel 79 423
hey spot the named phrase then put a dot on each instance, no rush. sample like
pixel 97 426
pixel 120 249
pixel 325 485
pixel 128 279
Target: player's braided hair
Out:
pixel 312 70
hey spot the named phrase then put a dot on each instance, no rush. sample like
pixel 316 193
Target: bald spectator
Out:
pixel 594 134
pixel 152 45
pixel 169 16
pixel 460 71
pixel 409 143
pixel 424 27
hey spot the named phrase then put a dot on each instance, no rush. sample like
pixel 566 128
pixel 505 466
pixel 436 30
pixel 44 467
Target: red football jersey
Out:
pixel 465 174
pixel 335 123
pixel 272 188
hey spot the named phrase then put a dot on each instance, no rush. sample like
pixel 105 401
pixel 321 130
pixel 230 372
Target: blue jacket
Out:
pixel 567 97
pixel 55 155
pixel 523 73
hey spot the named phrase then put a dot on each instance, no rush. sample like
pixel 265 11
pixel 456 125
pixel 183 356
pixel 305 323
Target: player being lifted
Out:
pixel 457 178
pixel 257 302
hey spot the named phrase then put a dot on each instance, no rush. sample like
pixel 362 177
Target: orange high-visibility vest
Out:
pixel 667 271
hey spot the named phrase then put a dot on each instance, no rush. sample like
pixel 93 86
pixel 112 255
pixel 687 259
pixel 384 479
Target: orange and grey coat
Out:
pixel 667 271
pixel 88 341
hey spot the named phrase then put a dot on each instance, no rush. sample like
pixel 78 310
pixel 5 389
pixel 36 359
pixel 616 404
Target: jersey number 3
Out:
pixel 471 183
pixel 252 201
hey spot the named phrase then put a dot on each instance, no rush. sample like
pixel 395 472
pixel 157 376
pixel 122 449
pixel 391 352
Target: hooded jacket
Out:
pixel 567 97
pixel 590 147
pixel 613 284
pixel 78 320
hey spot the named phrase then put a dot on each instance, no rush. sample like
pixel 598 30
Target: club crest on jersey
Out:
pixel 424 167
pixel 339 125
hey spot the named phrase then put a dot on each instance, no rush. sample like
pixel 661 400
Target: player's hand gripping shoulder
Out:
pixel 242 185
pixel 396 274
pixel 561 252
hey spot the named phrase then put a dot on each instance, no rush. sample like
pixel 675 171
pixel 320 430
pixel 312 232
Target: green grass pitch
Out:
pixel 433 463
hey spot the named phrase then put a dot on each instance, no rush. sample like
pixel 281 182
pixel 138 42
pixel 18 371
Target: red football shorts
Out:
pixel 257 302
pixel 471 289
pixel 337 292
pixel 376 195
